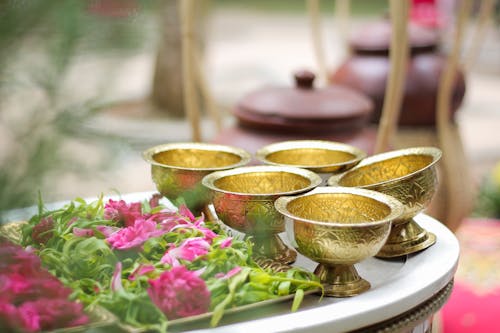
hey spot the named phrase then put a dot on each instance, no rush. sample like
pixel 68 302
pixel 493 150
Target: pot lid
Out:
pixel 377 37
pixel 304 101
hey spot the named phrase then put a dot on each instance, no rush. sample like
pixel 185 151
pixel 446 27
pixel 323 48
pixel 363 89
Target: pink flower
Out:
pixel 135 235
pixel 9 316
pixel 29 318
pixel 83 232
pixel 43 231
pixel 48 314
pixel 116 280
pixel 120 211
pixel 226 243
pixel 229 274
pixel 17 288
pixel 26 280
pixel 179 293
pixel 14 283
pixel 155 200
pixel 32 299
pixel 15 259
pixel 189 250
pixel 141 270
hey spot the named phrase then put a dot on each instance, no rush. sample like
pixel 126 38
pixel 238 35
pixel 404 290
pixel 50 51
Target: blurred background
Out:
pixel 74 77
pixel 87 85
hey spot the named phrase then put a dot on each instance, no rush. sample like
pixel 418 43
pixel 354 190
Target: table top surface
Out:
pixel 398 285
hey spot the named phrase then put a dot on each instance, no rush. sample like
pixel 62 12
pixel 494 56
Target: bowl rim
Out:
pixel 149 153
pixel 397 208
pixel 210 179
pixel 434 152
pixel 263 152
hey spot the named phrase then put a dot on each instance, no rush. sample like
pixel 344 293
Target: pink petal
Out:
pixel 233 272
pixel 200 271
pixel 200 220
pixel 209 234
pixel 155 200
pixel 83 232
pixel 141 270
pixel 192 248
pixel 135 235
pixel 116 280
pixel 30 317
pixel 226 243
pixel 184 211
pixel 120 211
pixel 170 257
pixel 106 230
pixel 229 274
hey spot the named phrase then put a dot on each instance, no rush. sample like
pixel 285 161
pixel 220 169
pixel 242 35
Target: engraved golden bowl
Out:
pixel 323 157
pixel 339 227
pixel 243 199
pixel 410 176
pixel 177 169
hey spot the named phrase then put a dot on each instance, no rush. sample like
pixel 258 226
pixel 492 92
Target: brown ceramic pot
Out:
pixel 367 68
pixel 274 114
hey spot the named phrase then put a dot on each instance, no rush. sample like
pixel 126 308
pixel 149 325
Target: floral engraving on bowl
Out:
pixel 263 182
pixel 331 245
pixel 248 215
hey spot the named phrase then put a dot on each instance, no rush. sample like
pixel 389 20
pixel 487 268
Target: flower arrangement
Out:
pixel 150 264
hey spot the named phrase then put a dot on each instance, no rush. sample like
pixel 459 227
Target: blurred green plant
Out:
pixel 358 7
pixel 39 42
pixel 488 200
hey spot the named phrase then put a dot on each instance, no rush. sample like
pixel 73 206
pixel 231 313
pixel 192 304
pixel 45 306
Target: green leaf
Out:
pixel 284 288
pixel 297 300
pixel 235 281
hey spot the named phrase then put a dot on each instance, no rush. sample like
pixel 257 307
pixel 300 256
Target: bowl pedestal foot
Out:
pixel 274 248
pixel 405 238
pixel 341 280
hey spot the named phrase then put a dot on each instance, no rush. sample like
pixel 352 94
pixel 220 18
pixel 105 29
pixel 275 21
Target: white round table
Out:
pixel 405 293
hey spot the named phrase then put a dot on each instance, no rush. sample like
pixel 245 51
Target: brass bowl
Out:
pixel 243 199
pixel 177 169
pixel 339 227
pixel 323 157
pixel 410 176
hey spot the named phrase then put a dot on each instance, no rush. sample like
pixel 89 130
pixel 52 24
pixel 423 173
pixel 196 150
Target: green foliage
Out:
pixel 39 42
pixel 359 7
pixel 488 199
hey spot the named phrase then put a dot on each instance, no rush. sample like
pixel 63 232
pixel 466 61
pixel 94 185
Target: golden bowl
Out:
pixel 177 169
pixel 243 199
pixel 339 227
pixel 410 176
pixel 322 157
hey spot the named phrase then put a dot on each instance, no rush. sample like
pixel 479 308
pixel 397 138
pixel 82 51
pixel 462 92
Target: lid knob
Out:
pixel 304 79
